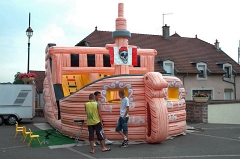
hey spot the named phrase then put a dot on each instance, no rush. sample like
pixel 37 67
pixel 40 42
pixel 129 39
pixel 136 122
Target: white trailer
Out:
pixel 17 102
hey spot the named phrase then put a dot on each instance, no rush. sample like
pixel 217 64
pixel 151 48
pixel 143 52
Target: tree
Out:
pixel 17 80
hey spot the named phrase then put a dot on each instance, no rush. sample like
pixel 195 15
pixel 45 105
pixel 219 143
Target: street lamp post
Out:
pixel 29 33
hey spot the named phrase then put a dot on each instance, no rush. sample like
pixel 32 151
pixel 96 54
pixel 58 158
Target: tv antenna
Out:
pixel 165 14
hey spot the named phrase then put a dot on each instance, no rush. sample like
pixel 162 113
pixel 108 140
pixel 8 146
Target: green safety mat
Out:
pixel 50 137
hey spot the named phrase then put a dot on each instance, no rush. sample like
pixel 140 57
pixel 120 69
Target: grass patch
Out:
pixel 54 138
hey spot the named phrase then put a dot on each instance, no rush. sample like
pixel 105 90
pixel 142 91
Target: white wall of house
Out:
pixel 211 82
pixel 224 113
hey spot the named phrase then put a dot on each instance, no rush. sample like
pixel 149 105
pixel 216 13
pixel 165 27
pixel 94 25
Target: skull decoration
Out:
pixel 123 54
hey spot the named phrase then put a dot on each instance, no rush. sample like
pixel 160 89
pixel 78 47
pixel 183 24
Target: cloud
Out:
pixel 67 22
pixel 52 33
pixel 93 13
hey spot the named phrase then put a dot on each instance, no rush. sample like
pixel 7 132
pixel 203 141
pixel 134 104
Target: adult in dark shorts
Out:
pixel 97 99
pixel 94 123
pixel 122 125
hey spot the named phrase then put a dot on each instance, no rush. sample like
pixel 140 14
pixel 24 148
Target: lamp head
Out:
pixel 29 32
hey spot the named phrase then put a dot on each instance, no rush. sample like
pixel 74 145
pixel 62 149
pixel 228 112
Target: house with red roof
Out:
pixel 201 66
pixel 39 88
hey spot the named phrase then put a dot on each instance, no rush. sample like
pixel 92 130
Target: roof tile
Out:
pixel 183 51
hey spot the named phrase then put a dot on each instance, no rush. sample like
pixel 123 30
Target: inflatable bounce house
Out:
pixel 157 105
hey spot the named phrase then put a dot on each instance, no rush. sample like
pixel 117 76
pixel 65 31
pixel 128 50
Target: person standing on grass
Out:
pixel 94 123
pixel 122 125
pixel 97 99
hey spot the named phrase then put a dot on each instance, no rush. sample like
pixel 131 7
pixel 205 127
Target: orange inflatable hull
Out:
pixel 153 118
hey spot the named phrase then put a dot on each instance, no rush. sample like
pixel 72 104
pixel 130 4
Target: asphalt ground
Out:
pixel 206 141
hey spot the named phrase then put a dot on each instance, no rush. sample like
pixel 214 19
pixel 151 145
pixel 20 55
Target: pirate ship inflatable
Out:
pixel 157 105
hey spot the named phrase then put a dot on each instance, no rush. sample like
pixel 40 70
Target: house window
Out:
pixel 228 70
pixel 202 68
pixel 203 91
pixel 228 93
pixel 169 67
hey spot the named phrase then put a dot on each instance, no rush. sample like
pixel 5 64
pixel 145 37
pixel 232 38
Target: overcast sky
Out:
pixel 66 22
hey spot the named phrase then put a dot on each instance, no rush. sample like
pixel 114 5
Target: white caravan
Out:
pixel 17 101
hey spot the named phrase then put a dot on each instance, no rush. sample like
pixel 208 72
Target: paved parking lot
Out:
pixel 216 141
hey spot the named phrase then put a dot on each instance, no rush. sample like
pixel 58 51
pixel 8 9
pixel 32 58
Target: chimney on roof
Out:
pixel 217 45
pixel 166 32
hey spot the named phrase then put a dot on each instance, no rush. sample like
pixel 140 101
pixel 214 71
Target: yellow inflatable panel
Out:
pixel 173 93
pixel 72 83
